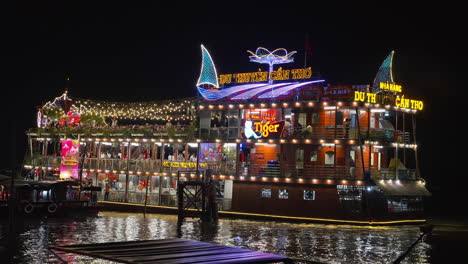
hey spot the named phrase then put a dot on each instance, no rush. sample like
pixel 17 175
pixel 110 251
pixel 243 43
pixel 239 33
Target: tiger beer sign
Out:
pixel 263 129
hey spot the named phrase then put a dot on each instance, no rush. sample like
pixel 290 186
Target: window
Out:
pixel 313 156
pixel 339 118
pixel 309 195
pixel 299 158
pixel 283 194
pixel 315 118
pixel 302 119
pixel 266 193
pixel 329 159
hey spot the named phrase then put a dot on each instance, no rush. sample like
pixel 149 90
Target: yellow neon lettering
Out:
pixel 225 78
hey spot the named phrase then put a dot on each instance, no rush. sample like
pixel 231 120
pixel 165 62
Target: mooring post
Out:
pixel 180 201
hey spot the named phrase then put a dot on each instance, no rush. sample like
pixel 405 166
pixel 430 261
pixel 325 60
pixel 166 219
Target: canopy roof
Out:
pixel 403 189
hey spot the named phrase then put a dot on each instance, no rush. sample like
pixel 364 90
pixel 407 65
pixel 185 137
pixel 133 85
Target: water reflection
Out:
pixel 312 242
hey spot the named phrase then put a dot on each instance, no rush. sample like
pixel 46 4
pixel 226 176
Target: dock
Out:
pixel 170 251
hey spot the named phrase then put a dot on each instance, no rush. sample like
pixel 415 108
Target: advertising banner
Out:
pixel 70 156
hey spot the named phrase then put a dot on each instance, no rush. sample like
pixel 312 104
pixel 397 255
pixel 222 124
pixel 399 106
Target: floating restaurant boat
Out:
pixel 279 143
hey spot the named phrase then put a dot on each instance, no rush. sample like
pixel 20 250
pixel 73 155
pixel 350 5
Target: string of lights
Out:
pixel 166 110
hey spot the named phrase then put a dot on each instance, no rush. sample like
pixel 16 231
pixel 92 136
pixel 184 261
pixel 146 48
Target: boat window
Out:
pixel 315 118
pixel 309 195
pixel 313 156
pixel 339 118
pixel 266 193
pixel 299 158
pixel 329 159
pixel 283 194
pixel 302 120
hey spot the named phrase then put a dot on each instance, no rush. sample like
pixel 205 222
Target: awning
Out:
pixel 403 189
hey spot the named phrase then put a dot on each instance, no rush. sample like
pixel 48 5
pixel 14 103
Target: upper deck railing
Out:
pixel 223 133
pixel 326 132
pixel 158 131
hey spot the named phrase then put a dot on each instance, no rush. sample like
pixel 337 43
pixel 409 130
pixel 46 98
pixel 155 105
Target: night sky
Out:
pixel 149 52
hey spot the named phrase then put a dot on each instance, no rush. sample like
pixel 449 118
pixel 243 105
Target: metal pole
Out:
pixel 404 136
pixel 146 194
pixel 396 147
pixel 237 158
pixel 198 158
pixel 363 166
pixel 127 173
pixel 360 141
pixel 160 175
pixel 413 120
pixel 83 156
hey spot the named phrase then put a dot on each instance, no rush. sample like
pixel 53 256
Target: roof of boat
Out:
pixel 6 181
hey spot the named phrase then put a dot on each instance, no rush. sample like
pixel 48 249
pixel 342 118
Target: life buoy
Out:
pixel 28 208
pixel 52 208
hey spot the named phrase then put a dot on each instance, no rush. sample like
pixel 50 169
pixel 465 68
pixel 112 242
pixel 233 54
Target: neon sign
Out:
pixel 365 97
pixel 408 103
pixel 390 87
pixel 208 74
pixel 263 114
pixel 185 165
pixel 263 129
pixel 262 86
pixel 399 101
pixel 262 76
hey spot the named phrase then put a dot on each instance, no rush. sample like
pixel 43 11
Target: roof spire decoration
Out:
pixel 278 56
pixel 384 74
pixel 67 83
pixel 208 74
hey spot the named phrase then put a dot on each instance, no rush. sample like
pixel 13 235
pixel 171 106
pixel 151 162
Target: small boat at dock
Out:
pixel 47 198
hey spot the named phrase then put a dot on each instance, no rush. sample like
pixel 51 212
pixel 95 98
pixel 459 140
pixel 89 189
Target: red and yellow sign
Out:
pixel 70 156
pixel 262 114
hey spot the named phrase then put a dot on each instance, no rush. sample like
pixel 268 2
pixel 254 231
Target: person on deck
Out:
pixel 106 192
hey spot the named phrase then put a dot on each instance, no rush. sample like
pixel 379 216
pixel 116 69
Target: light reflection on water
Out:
pixel 312 242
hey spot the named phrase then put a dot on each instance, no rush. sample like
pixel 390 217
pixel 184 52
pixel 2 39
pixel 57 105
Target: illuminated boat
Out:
pixel 279 144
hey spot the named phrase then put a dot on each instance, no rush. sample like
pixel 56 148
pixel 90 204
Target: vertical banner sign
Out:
pixel 70 156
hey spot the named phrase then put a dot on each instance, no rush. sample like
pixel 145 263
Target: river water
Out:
pixel 312 242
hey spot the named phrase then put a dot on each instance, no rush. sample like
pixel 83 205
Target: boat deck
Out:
pixel 171 251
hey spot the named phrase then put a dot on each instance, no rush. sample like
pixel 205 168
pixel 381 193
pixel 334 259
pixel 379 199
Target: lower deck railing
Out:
pixel 229 168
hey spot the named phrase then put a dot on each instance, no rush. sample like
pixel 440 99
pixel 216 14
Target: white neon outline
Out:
pixel 204 50
pixel 391 65
pixel 277 92
pixel 252 93
pixel 271 57
pixel 218 94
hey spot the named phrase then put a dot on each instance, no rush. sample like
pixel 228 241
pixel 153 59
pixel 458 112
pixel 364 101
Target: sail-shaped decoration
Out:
pixel 384 74
pixel 208 74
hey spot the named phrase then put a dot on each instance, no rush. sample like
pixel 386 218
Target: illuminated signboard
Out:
pixel 408 103
pixel 365 97
pixel 390 87
pixel 398 101
pixel 252 84
pixel 263 129
pixel 185 165
pixel 262 114
pixel 262 123
pixel 262 76
pixel 70 155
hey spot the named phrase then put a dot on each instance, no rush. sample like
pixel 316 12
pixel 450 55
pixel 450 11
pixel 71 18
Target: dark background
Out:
pixel 149 52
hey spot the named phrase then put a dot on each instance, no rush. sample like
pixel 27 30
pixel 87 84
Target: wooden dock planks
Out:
pixel 171 251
